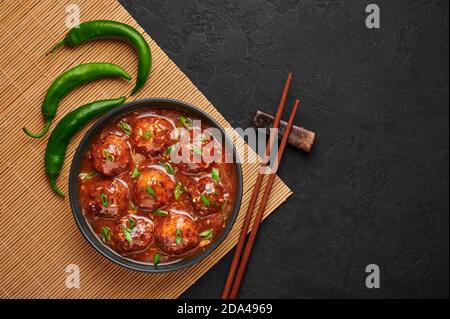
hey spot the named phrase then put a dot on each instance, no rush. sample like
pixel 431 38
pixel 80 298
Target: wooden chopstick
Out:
pixel 259 180
pixel 262 207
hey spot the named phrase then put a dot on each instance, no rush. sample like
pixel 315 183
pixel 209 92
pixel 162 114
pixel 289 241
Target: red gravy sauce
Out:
pixel 145 205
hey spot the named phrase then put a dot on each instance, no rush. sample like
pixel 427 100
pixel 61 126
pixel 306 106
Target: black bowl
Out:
pixel 80 219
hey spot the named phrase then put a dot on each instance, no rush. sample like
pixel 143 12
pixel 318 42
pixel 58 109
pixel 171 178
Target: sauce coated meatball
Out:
pixel 196 151
pixel 176 233
pixel 111 155
pixel 207 195
pixel 106 199
pixel 133 234
pixel 153 188
pixel 152 135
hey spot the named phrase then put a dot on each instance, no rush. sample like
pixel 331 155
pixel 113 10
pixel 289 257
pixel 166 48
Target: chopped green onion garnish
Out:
pixel 169 168
pixel 106 234
pixel 107 155
pixel 169 150
pixel 147 135
pixel 104 199
pixel 196 150
pixel 207 234
pixel 187 123
pixel 205 200
pixel 88 175
pixel 160 212
pixel 127 234
pixel 178 238
pixel 215 175
pixel 178 190
pixel 135 172
pixel 125 127
pixel 131 223
pixel 156 258
pixel 150 191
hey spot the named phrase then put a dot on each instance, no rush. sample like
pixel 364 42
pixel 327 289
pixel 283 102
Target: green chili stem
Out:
pixel 41 133
pixel 56 46
pixel 55 187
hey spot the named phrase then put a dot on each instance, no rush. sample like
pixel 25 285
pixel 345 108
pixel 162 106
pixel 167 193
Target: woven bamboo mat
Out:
pixel 38 236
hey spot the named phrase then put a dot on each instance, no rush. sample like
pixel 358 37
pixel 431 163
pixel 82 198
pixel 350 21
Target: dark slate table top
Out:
pixel 375 187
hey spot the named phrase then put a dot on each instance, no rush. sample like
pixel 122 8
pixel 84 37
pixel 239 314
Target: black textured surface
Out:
pixel 375 188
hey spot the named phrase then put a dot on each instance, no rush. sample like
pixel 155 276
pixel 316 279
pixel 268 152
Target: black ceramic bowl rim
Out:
pixel 80 219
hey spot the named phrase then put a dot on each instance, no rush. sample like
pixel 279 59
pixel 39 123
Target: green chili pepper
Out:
pixel 107 29
pixel 66 128
pixel 69 80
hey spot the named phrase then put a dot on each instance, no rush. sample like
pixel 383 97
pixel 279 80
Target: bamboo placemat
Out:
pixel 38 235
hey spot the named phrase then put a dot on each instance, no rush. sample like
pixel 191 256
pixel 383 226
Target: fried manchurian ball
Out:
pixel 106 199
pixel 152 135
pixel 133 234
pixel 153 187
pixel 196 151
pixel 207 195
pixel 111 155
pixel 176 233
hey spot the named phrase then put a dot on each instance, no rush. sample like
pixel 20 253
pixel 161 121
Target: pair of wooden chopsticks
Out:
pixel 241 254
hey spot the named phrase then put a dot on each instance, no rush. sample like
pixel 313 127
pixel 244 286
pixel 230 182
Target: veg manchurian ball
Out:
pixel 111 156
pixel 196 151
pixel 153 188
pixel 206 195
pixel 152 135
pixel 133 234
pixel 176 233
pixel 106 199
